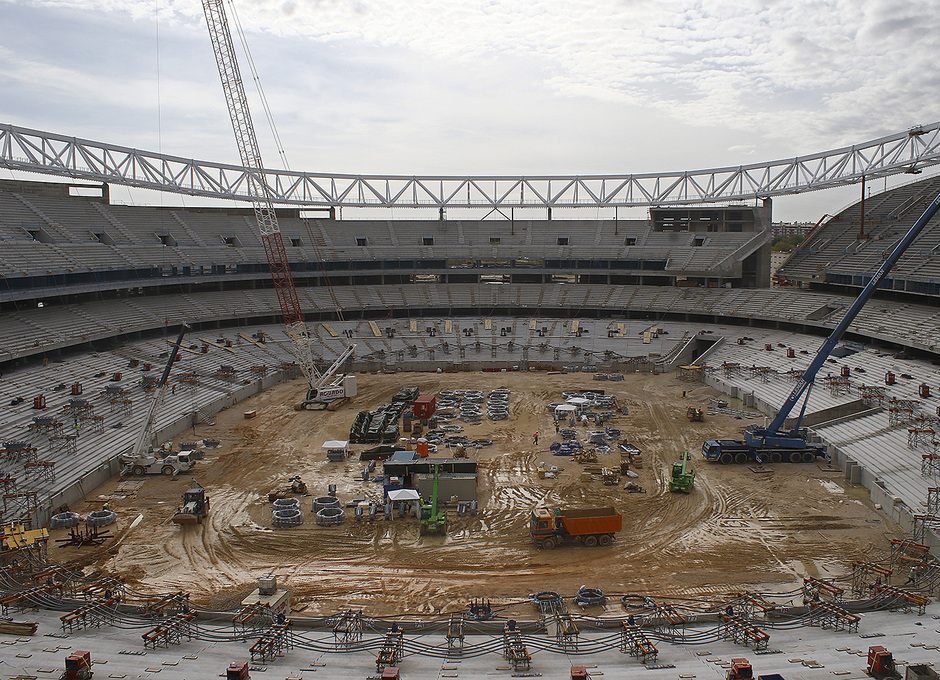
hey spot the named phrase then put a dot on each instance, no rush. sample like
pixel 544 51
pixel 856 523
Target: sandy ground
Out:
pixel 737 529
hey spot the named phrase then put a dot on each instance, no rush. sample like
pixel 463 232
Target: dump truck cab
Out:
pixel 541 524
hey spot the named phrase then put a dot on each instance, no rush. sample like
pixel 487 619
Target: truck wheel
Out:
pixel 808 457
pixel 137 470
pixel 167 470
pixel 548 543
pixel 590 541
pixel 775 457
pixel 795 457
pixel 740 458
pixel 725 458
pixel 605 540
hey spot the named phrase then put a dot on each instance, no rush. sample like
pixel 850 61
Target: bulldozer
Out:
pixel 298 486
pixel 695 414
pixel 195 506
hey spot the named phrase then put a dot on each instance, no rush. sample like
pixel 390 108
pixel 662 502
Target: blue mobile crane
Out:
pixel 772 443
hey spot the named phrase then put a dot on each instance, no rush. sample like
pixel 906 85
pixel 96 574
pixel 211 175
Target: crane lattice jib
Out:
pixel 809 376
pixel 258 189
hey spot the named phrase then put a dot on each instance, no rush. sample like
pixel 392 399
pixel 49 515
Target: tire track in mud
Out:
pixel 718 537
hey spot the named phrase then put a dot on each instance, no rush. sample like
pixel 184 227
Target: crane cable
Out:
pixel 281 152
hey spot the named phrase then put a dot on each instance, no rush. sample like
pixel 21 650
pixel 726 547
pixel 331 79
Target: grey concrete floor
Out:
pixel 800 653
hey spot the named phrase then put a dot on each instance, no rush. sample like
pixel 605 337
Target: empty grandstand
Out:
pixel 92 291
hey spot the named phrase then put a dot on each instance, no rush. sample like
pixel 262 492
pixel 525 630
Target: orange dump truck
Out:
pixel 550 527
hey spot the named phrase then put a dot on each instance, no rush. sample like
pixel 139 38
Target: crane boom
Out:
pixel 258 189
pixel 809 376
pixel 145 438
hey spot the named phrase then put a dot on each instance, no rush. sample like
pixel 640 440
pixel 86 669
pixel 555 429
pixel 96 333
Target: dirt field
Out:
pixel 737 529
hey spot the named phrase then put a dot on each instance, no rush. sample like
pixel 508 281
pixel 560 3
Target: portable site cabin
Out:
pixel 336 449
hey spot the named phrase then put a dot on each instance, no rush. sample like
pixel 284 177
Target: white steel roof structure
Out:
pixel 48 153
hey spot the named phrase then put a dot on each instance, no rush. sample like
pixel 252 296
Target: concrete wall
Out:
pixel 831 413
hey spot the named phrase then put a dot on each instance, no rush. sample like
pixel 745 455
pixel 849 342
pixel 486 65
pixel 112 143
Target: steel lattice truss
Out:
pixel 52 154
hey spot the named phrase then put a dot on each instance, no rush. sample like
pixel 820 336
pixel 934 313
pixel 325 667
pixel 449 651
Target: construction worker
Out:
pixel 535 439
pixel 912 577
pixel 107 506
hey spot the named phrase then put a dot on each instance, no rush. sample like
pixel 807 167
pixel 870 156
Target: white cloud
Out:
pixel 506 85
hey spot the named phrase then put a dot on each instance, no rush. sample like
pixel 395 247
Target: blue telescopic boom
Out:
pixel 809 376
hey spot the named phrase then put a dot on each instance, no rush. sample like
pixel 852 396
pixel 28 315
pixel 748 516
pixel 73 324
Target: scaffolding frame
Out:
pixel 274 643
pixel 922 524
pixel 23 599
pixel 872 394
pixel 170 632
pixel 930 465
pixel 168 605
pixel 900 411
pixel 24 502
pixel 92 614
pixel 861 577
pixel 667 622
pixel 829 616
pixel 633 641
pixel 64 442
pixel 514 650
pixel 97 422
pixel 17 451
pixel 736 629
pixel 750 607
pixel 77 408
pixel 251 619
pixel 918 436
pixel 730 370
pixel 814 588
pixel 455 634
pixel 838 385
pixel 42 469
pixel 912 601
pixel 347 630
pixel 45 425
pixel 566 632
pixel 391 652
pixel 122 404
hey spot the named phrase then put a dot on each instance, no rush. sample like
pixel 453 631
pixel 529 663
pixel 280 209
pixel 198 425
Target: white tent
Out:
pixel 403 495
pixel 565 408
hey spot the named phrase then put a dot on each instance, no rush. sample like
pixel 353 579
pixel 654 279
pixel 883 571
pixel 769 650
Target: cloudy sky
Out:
pixel 485 86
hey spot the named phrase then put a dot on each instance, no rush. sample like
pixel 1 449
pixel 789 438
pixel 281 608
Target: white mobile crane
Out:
pixel 323 389
pixel 141 460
